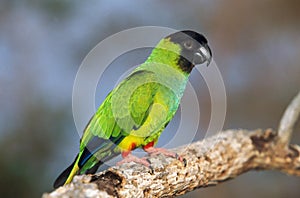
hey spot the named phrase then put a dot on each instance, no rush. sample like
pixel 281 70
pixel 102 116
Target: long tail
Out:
pixel 66 176
pixel 81 163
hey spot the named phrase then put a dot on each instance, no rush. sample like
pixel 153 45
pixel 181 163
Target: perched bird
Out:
pixel 134 114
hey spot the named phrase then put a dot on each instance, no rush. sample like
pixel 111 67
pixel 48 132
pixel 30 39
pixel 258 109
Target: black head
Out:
pixel 194 49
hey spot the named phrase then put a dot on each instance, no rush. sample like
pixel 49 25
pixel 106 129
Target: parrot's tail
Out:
pixel 103 146
pixel 66 176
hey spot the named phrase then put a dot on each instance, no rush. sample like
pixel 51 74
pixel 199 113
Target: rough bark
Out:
pixel 209 162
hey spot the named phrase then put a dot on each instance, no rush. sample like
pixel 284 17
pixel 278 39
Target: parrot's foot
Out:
pixel 156 151
pixel 132 158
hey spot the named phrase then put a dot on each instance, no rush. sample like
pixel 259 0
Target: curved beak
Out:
pixel 202 55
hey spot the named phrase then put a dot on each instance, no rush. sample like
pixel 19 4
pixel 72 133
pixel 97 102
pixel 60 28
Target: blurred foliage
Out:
pixel 26 151
pixel 58 8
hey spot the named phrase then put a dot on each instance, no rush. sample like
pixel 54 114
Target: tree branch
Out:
pixel 209 162
pixel 288 121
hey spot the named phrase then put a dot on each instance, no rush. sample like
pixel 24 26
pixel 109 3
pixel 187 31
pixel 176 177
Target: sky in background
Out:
pixel 255 44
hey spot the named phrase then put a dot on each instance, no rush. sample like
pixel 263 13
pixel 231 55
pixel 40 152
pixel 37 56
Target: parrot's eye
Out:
pixel 188 44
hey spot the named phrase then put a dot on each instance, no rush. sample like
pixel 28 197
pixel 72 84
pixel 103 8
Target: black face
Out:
pixel 195 49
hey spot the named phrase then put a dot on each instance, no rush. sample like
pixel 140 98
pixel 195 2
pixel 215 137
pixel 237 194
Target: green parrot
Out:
pixel 134 114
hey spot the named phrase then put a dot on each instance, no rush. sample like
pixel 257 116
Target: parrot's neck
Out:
pixel 166 53
pixel 163 61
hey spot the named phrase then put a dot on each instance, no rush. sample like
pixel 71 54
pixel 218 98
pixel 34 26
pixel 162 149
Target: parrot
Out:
pixel 136 112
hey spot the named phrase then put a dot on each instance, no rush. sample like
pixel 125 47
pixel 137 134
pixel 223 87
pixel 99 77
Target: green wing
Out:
pixel 138 106
pixel 124 108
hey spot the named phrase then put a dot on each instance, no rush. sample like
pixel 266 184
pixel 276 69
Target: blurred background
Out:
pixel 256 45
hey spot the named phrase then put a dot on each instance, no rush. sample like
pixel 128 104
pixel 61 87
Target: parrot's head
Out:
pixel 194 49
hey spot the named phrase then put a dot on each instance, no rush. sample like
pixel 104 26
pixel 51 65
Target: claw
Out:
pixel 150 166
pixel 156 151
pixel 128 157
pixel 178 157
pixel 132 158
pixel 184 162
